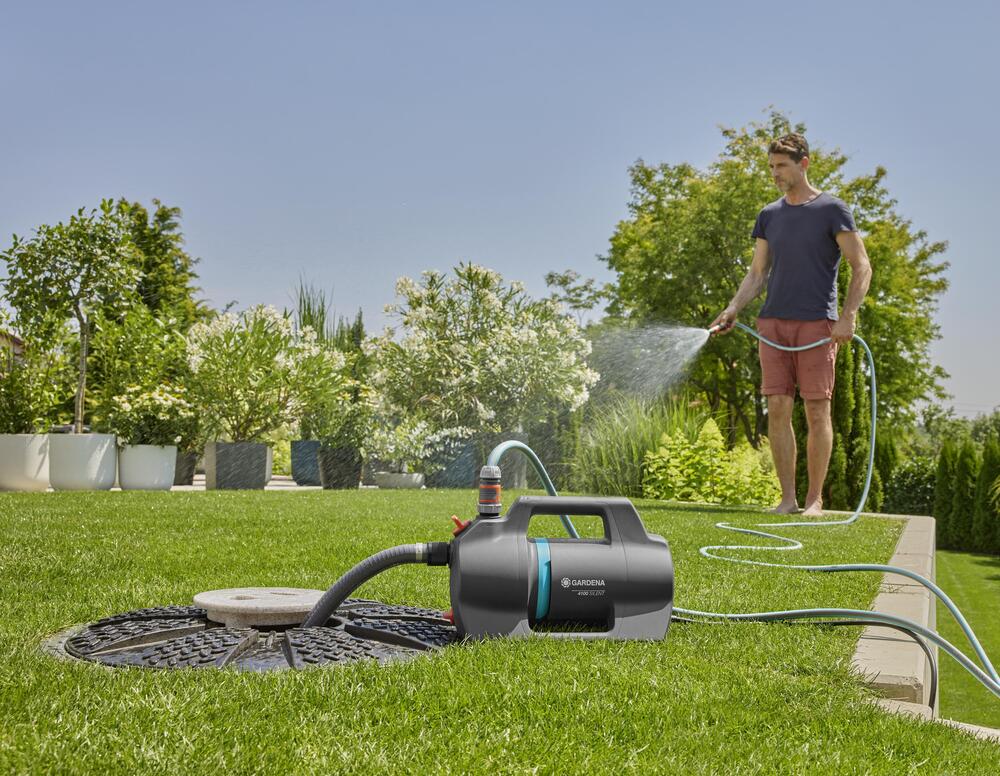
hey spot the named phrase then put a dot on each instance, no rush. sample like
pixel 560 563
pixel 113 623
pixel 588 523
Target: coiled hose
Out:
pixel 792 544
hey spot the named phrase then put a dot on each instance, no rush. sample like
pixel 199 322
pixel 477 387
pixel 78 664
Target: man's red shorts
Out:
pixel 812 370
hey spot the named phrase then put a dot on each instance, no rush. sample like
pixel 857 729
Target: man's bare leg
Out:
pixel 818 450
pixel 782 439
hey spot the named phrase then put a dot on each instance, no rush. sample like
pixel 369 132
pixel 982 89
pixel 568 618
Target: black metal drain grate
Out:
pixel 183 637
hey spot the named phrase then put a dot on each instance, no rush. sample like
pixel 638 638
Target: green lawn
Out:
pixel 973 582
pixel 735 698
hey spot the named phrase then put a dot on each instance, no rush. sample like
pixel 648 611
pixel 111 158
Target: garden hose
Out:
pixel 932 693
pixel 791 544
pixel 513 444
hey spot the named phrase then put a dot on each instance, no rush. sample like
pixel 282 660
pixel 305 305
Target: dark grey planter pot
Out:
pixel 236 465
pixel 339 467
pixel 305 465
pixel 184 472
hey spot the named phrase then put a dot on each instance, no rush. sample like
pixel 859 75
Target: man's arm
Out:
pixel 751 287
pixel 853 249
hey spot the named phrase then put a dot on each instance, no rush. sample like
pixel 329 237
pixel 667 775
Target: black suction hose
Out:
pixel 431 553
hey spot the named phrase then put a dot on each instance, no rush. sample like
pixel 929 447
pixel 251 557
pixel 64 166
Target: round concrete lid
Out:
pixel 241 607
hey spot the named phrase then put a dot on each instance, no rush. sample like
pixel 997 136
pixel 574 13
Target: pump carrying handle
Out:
pixel 621 520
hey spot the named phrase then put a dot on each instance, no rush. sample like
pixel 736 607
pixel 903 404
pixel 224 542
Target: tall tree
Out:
pixel 986 517
pixel 686 245
pixel 944 492
pixel 963 502
pixel 167 281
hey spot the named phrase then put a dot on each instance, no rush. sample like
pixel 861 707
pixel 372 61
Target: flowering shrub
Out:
pixel 134 349
pixel 413 445
pixel 253 373
pixel 162 416
pixel 704 470
pixel 478 354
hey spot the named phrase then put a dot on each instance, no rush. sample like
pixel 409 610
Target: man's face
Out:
pixel 786 173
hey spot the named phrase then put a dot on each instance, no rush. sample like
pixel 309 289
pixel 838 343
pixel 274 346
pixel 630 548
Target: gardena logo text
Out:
pixel 566 582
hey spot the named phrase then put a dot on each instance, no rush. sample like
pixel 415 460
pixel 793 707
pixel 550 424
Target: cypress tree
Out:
pixel 964 499
pixel 886 460
pixel 986 518
pixel 944 492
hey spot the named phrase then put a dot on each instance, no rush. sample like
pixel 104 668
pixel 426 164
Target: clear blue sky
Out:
pixel 355 142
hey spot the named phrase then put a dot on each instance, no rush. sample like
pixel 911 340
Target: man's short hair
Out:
pixel 793 145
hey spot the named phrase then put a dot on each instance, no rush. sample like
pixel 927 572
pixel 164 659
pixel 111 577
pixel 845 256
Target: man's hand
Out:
pixel 843 330
pixel 724 321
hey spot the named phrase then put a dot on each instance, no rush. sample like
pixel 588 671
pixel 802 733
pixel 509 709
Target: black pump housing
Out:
pixel 620 586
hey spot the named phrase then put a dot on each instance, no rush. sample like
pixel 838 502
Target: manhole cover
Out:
pixel 185 637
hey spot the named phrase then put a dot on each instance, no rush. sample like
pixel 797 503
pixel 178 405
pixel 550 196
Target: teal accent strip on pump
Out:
pixel 544 578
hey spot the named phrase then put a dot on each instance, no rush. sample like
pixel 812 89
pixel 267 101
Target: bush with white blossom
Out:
pixel 162 416
pixel 413 445
pixel 253 373
pixel 476 353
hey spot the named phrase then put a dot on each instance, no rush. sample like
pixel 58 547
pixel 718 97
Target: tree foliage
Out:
pixel 963 501
pixel 167 278
pixel 686 246
pixel 986 517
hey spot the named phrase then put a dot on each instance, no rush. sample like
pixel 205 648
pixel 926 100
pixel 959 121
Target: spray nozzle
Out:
pixel 719 327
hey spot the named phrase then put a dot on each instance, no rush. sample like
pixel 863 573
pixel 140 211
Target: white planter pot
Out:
pixel 399 480
pixel 147 467
pixel 82 461
pixel 24 462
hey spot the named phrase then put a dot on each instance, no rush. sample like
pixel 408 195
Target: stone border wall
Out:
pixel 891 661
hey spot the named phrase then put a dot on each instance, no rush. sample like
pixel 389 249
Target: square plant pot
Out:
pixel 305 465
pixel 236 466
pixel 184 469
pixel 339 467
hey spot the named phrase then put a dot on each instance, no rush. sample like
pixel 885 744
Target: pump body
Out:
pixel 620 586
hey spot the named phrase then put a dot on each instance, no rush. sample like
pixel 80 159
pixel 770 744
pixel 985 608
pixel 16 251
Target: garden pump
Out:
pixel 503 583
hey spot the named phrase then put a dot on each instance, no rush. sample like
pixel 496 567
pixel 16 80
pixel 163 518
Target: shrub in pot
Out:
pixel 136 352
pixel 69 272
pixel 251 374
pixel 33 385
pixel 342 424
pixel 149 426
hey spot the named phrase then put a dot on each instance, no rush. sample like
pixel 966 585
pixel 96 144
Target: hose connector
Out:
pixel 489 491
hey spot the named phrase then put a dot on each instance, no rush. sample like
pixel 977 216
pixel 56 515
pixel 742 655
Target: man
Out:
pixel 800 238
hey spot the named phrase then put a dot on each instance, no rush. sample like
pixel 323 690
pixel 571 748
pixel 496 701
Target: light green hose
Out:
pixel 792 544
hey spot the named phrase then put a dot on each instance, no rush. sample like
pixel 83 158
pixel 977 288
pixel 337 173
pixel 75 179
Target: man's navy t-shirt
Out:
pixel 805 256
